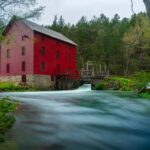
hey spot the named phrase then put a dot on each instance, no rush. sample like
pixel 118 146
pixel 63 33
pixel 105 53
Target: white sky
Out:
pixel 73 10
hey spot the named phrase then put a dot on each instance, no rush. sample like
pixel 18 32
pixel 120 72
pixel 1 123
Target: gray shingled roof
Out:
pixel 46 31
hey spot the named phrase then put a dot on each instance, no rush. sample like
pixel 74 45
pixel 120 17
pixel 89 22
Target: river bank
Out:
pixel 132 83
pixel 6 119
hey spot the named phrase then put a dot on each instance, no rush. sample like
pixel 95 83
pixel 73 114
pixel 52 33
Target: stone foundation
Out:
pixel 15 79
pixel 35 81
pixel 40 81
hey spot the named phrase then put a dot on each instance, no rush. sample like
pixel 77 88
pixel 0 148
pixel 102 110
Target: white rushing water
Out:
pixel 84 87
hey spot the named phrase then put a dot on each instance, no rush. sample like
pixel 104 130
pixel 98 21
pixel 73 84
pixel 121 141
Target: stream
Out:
pixel 80 119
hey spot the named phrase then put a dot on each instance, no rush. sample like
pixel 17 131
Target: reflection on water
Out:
pixel 81 120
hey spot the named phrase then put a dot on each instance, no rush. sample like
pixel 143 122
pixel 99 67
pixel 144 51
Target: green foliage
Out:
pixel 144 95
pixel 110 42
pixel 140 79
pixel 99 86
pixel 133 83
pixel 6 121
pixel 116 83
pixel 8 86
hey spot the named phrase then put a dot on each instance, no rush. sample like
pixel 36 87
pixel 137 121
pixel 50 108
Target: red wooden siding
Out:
pixel 59 57
pixel 11 50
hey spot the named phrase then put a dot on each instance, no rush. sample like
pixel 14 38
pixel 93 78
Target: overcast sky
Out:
pixel 72 10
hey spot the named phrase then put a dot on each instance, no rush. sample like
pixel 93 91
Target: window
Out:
pixel 8 53
pixel 23 50
pixel 57 55
pixel 43 66
pixel 7 68
pixel 24 79
pixel 42 51
pixel 58 68
pixel 57 43
pixel 70 57
pixel 70 47
pixel 43 37
pixel 23 38
pixel 23 66
pixel 52 78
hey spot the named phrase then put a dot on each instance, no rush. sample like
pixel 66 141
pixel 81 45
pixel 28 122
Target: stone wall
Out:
pixel 15 79
pixel 35 81
pixel 40 81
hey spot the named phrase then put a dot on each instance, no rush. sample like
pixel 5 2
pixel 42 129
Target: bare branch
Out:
pixel 132 7
pixel 25 8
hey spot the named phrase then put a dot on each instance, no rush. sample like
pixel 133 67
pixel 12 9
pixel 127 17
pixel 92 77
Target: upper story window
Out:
pixel 42 51
pixel 43 37
pixel 7 68
pixel 23 67
pixel 70 47
pixel 24 37
pixel 8 53
pixel 23 50
pixel 57 55
pixel 43 66
pixel 69 56
pixel 58 68
pixel 57 42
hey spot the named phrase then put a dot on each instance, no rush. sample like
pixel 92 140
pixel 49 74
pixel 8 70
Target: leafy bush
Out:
pixel 141 79
pixel 116 83
pixel 99 87
pixel 144 95
pixel 133 83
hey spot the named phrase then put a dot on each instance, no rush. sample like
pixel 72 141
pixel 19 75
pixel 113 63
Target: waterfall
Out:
pixel 85 87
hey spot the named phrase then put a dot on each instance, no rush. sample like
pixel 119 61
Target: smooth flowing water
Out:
pixel 81 120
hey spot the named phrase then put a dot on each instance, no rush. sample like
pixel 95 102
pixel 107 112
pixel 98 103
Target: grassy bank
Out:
pixel 6 120
pixel 10 87
pixel 134 83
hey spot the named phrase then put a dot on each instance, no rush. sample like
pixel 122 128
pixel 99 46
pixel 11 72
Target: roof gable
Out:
pixel 48 32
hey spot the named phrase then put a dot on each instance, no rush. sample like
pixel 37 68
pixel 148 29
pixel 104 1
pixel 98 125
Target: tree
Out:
pixel 25 9
pixel 136 46
pixel 122 44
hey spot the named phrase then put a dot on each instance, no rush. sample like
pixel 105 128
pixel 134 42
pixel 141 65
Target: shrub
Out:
pixel 116 83
pixel 144 95
pixel 6 121
pixel 133 83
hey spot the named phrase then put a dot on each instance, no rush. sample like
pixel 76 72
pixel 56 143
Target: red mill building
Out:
pixel 35 55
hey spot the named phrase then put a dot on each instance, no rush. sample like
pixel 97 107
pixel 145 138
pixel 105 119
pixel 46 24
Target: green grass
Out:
pixel 9 145
pixel 10 86
pixel 6 120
